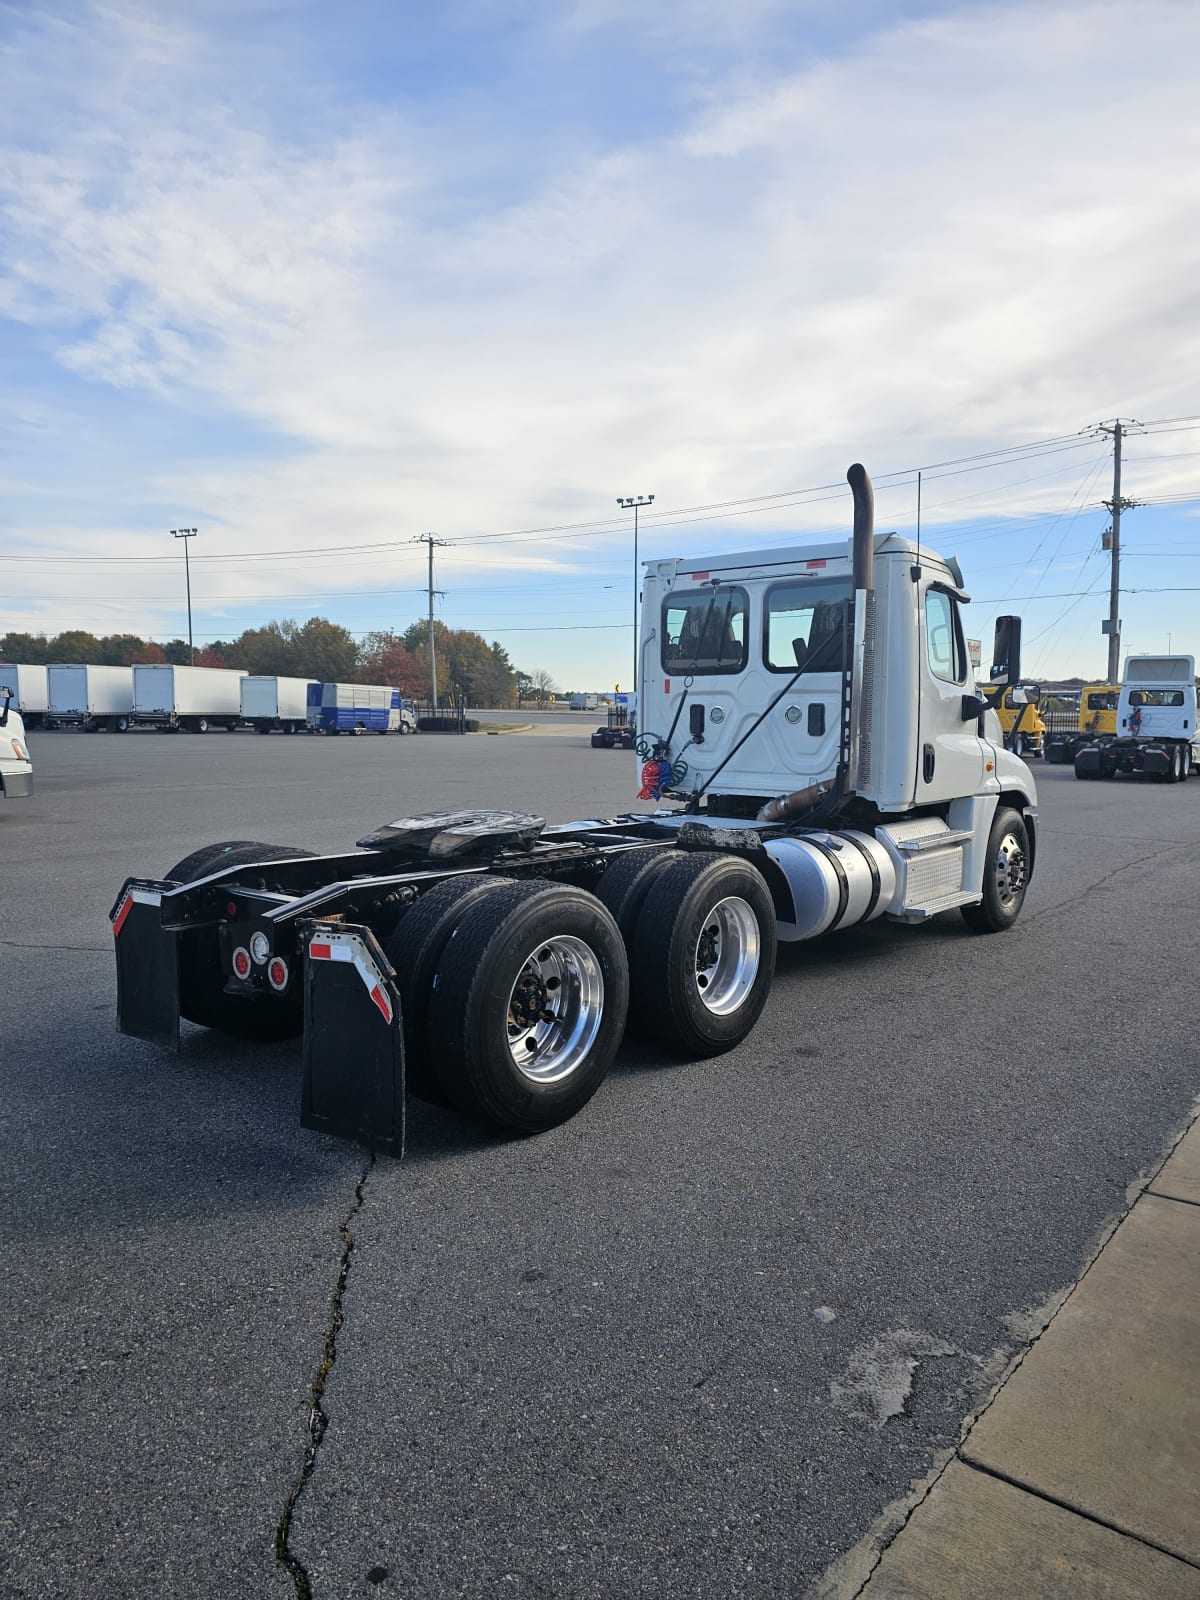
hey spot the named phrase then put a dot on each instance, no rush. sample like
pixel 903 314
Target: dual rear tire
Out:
pixel 516 995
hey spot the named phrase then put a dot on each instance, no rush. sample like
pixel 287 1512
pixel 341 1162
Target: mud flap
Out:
pixel 147 965
pixel 1087 759
pixel 353 1039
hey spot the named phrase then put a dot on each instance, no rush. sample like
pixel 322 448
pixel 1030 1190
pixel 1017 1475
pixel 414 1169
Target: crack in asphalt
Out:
pixel 1100 883
pixel 318 1421
pixel 82 949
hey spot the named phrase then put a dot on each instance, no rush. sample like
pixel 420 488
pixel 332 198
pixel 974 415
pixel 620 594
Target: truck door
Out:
pixel 950 752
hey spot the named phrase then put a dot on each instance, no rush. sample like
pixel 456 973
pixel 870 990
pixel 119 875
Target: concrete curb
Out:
pixel 1060 1522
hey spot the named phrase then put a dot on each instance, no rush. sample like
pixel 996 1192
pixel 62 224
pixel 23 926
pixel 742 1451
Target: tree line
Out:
pixel 468 668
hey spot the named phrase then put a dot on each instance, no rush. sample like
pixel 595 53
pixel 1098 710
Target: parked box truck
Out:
pixel 269 703
pixel 192 698
pixel 28 685
pixel 90 697
pixel 359 708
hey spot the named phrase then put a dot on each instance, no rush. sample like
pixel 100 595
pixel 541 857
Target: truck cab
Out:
pixel 1156 734
pixel 16 769
pixel 726 636
pixel 1098 708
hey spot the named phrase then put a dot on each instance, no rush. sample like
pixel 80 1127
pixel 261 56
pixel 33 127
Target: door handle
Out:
pixel 927 763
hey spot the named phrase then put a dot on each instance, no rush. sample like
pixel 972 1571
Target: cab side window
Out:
pixel 944 638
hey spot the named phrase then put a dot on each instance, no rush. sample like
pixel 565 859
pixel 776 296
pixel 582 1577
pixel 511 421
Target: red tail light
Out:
pixel 241 961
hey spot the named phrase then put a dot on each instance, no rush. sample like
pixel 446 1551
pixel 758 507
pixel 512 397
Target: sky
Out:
pixel 318 280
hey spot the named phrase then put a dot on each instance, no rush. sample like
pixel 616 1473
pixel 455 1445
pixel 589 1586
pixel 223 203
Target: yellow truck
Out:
pixel 1024 729
pixel 1096 718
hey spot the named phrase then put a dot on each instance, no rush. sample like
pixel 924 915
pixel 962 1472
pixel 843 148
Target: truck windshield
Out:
pixel 805 625
pixel 704 630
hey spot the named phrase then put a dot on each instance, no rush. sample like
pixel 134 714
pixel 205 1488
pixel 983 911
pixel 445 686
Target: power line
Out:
pixel 711 511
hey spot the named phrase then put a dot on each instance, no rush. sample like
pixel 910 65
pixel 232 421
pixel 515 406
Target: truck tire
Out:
pixel 704 954
pixel 1018 745
pixel 529 1005
pixel 120 725
pixel 200 725
pixel 414 949
pixel 1005 874
pixel 1187 762
pixel 402 729
pixel 1176 773
pixel 201 979
pixel 626 882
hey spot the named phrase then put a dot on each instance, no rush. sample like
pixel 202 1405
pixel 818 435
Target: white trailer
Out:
pixel 90 697
pixel 191 698
pixel 28 685
pixel 270 703
pixel 832 759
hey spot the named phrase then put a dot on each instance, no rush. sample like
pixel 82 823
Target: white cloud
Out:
pixel 958 233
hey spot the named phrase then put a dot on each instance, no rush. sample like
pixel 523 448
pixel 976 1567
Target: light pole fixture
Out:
pixel 185 534
pixel 634 503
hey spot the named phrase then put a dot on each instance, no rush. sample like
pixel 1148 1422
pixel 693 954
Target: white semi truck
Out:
pixel 16 769
pixel 90 697
pixel 1156 733
pixel 194 699
pixel 28 689
pixel 824 756
pixel 275 703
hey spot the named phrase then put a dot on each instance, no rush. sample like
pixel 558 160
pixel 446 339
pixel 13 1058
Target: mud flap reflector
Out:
pixel 353 1041
pixel 147 967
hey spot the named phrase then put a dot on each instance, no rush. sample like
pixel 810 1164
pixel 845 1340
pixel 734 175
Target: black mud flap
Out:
pixel 1087 759
pixel 353 1040
pixel 147 965
pixel 1156 761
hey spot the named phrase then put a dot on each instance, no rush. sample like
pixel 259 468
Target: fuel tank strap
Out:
pixel 872 868
pixel 839 872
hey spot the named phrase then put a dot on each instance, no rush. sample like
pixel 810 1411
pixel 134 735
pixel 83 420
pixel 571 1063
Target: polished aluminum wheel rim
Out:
pixel 1010 869
pixel 727 955
pixel 555 1008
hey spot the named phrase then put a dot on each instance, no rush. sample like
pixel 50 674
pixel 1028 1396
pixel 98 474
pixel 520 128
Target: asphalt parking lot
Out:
pixel 648 1354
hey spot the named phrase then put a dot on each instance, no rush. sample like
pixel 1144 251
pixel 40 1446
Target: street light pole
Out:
pixel 185 534
pixel 635 502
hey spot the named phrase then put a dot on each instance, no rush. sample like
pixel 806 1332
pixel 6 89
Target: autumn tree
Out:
pixel 121 650
pixel 26 648
pixel 385 658
pixel 325 650
pixel 73 646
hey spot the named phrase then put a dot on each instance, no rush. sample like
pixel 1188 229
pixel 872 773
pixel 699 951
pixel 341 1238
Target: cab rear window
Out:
pixel 805 625
pixel 705 630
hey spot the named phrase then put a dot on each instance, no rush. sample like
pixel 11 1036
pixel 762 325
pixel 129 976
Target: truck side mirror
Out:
pixel 973 707
pixel 1006 652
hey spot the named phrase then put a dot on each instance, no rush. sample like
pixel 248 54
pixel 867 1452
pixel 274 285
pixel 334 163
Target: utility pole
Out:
pixel 431 540
pixel 635 502
pixel 1113 540
pixel 185 534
